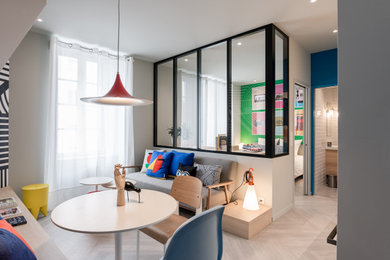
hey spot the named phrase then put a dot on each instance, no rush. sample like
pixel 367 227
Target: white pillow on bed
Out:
pixel 147 151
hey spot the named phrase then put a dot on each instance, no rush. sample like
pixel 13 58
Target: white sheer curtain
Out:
pixel 188 109
pixel 214 110
pixel 85 140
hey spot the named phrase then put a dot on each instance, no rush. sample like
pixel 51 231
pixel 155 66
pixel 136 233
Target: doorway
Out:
pixel 326 138
pixel 302 139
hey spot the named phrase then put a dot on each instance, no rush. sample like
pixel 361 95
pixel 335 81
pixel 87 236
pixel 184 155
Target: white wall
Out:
pixel 16 18
pixel 143 115
pixel 29 67
pixel 364 127
pixel 283 167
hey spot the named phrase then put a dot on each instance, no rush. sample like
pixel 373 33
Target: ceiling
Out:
pixel 157 29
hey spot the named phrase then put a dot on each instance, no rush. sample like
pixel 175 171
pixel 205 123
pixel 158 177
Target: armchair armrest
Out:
pixel 132 167
pixel 224 184
pixel 219 184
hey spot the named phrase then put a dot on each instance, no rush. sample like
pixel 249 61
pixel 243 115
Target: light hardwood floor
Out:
pixel 299 234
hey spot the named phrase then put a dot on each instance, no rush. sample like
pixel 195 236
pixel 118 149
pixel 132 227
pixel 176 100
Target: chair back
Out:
pixel 200 237
pixel 187 190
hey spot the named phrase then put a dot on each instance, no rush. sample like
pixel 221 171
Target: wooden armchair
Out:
pixel 219 185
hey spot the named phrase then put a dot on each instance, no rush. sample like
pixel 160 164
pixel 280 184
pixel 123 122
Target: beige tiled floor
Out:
pixel 299 234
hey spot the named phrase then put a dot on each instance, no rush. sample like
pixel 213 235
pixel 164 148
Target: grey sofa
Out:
pixel 218 195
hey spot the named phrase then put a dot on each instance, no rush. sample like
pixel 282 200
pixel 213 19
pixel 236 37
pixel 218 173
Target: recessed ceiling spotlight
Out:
pixel 39 20
pixel 239 43
pixel 313 1
pixel 185 60
pixel 335 31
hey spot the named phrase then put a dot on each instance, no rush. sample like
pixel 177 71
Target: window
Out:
pixel 226 97
pixel 84 139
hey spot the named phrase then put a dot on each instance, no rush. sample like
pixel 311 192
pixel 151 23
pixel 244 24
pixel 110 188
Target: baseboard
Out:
pixel 276 215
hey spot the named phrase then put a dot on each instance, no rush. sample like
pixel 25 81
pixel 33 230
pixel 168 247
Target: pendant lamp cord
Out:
pixel 119 26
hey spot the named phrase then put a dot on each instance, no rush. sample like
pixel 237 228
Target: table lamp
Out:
pixel 250 200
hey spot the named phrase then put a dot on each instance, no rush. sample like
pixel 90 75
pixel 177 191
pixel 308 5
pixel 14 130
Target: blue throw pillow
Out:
pixel 186 159
pixel 159 164
pixel 12 245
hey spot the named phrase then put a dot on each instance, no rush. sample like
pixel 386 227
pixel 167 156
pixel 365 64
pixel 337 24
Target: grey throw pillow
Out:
pixel 208 174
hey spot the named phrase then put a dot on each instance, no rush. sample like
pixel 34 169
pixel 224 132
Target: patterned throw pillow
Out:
pixel 147 157
pixel 184 170
pixel 12 245
pixel 208 174
pixel 159 164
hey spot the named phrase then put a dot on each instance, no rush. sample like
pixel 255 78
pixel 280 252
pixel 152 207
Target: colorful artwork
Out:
pixel 299 97
pixel 258 123
pixel 258 98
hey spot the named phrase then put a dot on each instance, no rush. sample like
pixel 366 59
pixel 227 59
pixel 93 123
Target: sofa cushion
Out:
pixel 229 169
pixel 208 174
pixel 148 153
pixel 186 159
pixel 159 164
pixel 12 245
pixel 186 170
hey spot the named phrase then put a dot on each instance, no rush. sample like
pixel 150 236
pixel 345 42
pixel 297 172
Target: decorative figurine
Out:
pixel 131 187
pixel 120 180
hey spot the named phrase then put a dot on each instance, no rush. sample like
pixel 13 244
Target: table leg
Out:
pixel 97 188
pixel 137 253
pixel 118 246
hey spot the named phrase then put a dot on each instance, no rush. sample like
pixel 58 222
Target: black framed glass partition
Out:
pixel 226 97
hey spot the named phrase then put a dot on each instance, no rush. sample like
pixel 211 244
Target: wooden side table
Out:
pixel 245 223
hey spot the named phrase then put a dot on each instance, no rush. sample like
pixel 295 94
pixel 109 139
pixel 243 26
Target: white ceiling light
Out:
pixel 313 1
pixel 39 20
pixel 185 60
pixel 335 31
pixel 239 43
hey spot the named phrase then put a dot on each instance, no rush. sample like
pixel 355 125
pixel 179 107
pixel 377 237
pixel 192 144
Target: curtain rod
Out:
pixel 70 45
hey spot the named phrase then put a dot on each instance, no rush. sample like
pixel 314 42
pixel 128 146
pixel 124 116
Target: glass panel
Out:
pixel 165 104
pixel 281 95
pixel 213 98
pixel 187 97
pixel 248 93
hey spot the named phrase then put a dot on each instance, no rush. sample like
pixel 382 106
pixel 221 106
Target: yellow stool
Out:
pixel 35 197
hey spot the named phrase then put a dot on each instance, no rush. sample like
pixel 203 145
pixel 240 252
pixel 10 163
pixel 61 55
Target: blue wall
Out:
pixel 323 74
pixel 324 69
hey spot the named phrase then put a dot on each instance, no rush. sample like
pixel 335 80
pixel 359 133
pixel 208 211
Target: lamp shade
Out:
pixel 250 200
pixel 118 96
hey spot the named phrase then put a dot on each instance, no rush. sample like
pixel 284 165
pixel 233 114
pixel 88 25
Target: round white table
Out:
pixel 97 213
pixel 96 181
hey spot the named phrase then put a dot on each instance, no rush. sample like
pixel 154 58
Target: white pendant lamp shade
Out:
pixel 250 201
pixel 118 95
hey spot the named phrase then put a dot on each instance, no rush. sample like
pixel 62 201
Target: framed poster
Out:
pixel 258 98
pixel 279 96
pixel 258 123
pixel 299 96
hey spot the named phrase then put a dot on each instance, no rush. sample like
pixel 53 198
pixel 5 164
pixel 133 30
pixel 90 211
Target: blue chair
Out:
pixel 198 238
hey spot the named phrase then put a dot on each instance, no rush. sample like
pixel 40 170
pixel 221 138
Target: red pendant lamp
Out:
pixel 118 95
